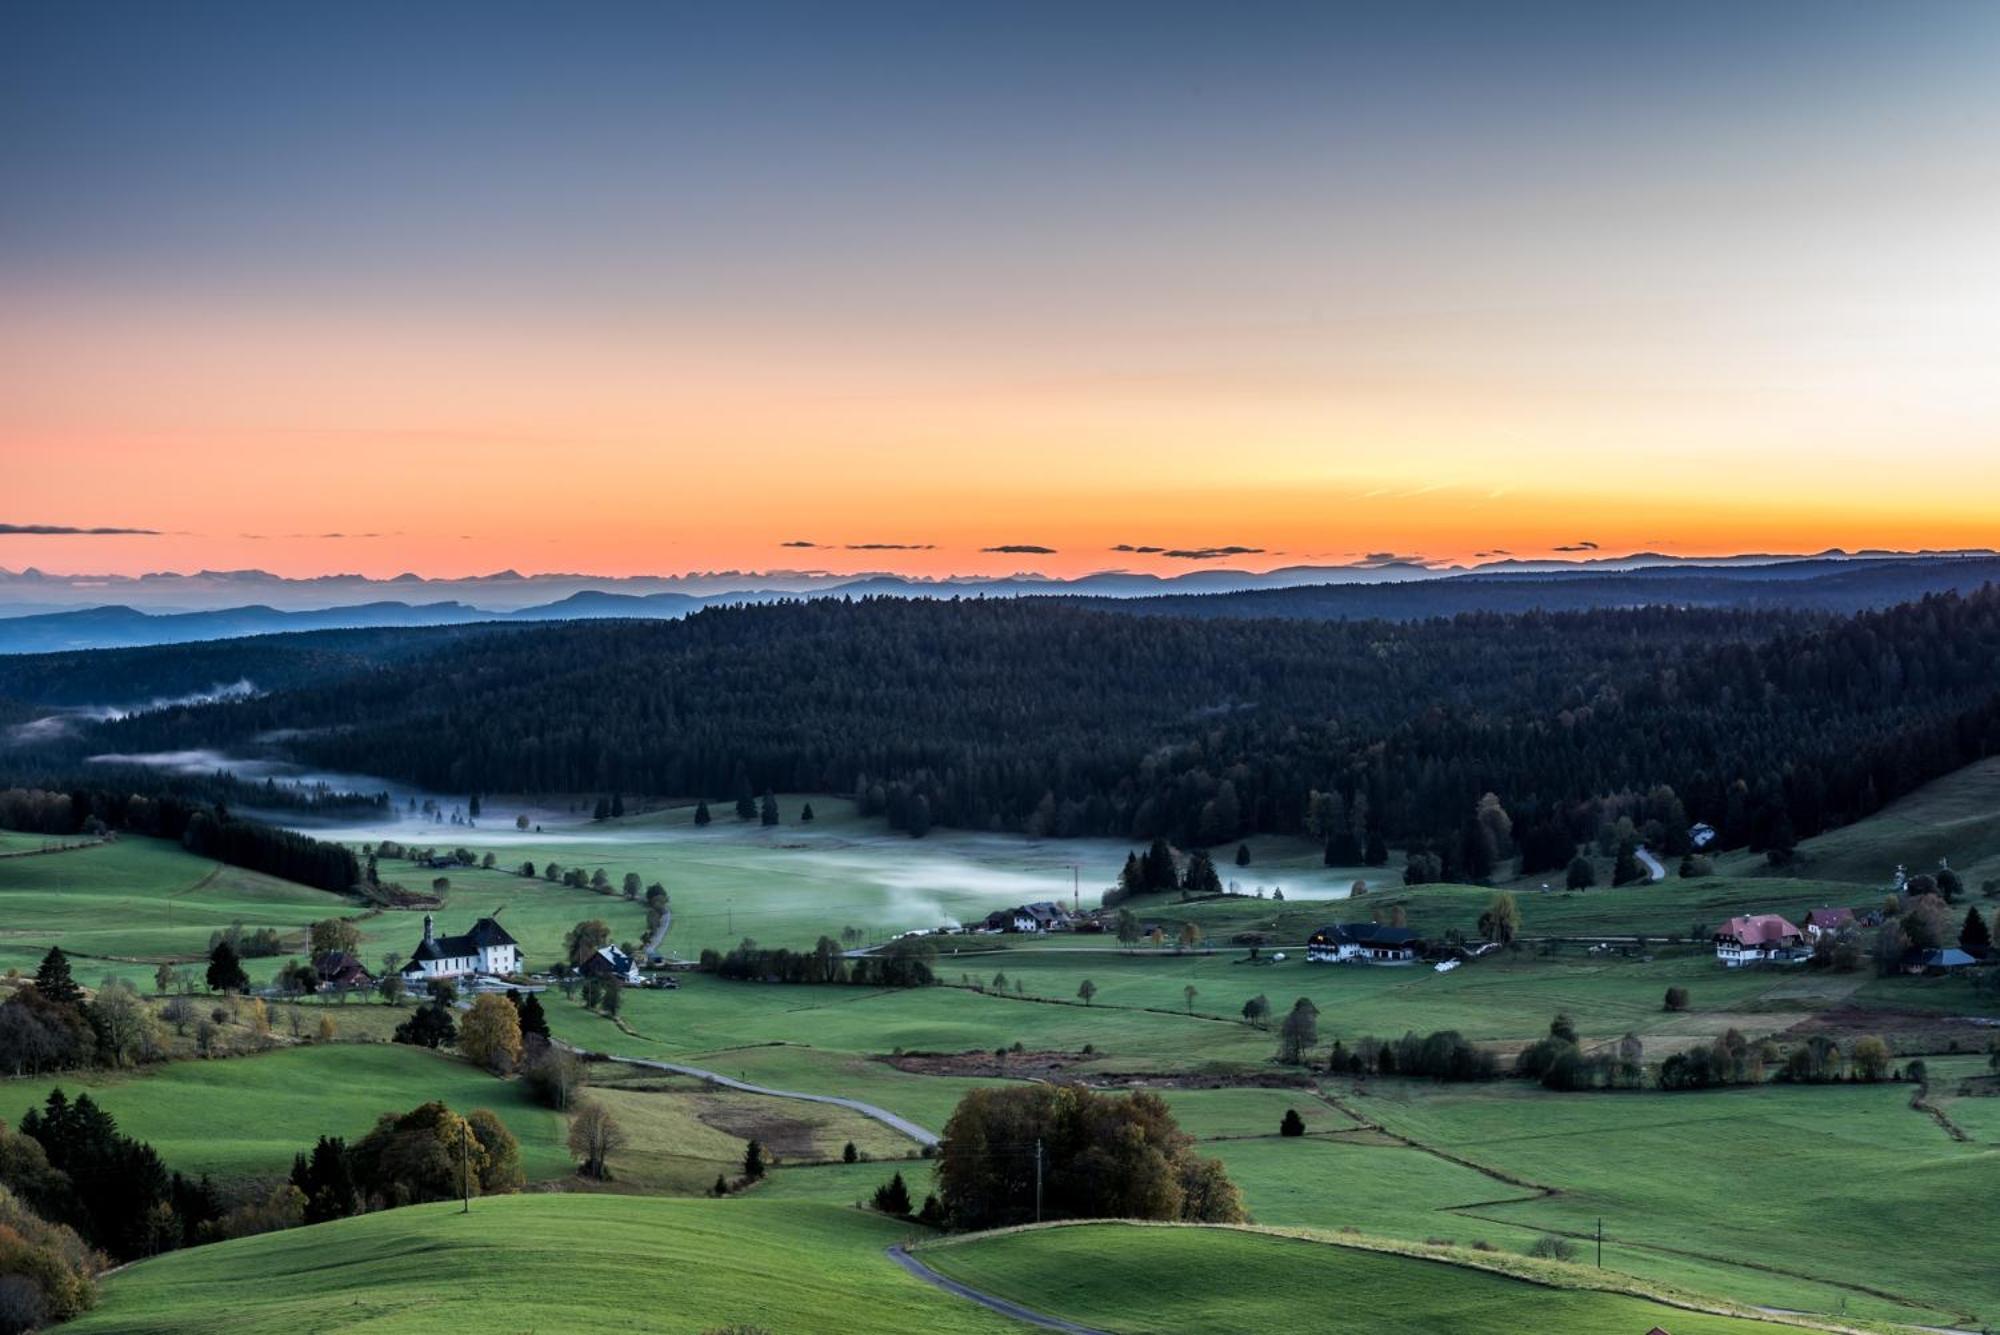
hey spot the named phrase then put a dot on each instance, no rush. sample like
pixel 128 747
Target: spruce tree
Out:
pixel 1242 855
pixel 1973 938
pixel 768 812
pixel 53 980
pixel 225 970
pixel 806 814
pixel 701 816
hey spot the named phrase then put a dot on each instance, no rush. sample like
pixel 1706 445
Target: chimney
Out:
pixel 427 929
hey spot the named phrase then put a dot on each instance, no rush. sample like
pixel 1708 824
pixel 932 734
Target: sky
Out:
pixel 965 288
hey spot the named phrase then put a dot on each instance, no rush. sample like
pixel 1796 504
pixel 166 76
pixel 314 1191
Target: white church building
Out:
pixel 487 948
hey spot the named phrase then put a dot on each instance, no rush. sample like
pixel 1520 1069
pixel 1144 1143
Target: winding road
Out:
pixel 1652 864
pixel 901 1256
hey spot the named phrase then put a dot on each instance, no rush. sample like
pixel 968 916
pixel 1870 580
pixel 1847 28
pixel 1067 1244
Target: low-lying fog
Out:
pixel 922 882
pixel 61 721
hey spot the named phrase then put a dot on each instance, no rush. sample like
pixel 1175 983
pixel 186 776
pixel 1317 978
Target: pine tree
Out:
pixel 768 811
pixel 617 804
pixel 1242 855
pixel 701 816
pixel 602 811
pixel 1973 938
pixel 806 814
pixel 893 1197
pixel 533 1019
pixel 53 980
pixel 753 1160
pixel 225 970
pixel 1292 1124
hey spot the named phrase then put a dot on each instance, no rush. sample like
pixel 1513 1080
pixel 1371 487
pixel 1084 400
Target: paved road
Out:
pixel 882 1115
pixel 1652 864
pixel 929 1276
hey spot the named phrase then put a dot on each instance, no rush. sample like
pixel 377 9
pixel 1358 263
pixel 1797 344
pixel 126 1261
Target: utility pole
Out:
pixel 1038 1180
pixel 1076 887
pixel 465 1164
pixel 1600 1242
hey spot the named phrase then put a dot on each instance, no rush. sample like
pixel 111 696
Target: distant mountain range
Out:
pixel 41 613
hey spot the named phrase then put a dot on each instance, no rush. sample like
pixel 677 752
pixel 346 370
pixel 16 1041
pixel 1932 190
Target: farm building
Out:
pixel 1761 938
pixel 1042 917
pixel 1363 943
pixel 487 948
pixel 337 969
pixel 611 962
pixel 1948 960
pixel 1827 922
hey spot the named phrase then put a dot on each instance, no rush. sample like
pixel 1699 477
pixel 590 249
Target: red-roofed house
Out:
pixel 1761 938
pixel 1827 922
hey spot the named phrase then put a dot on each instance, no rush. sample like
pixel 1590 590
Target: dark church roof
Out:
pixel 1364 934
pixel 486 932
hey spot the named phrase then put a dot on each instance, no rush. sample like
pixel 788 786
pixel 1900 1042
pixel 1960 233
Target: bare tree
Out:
pixel 594 1136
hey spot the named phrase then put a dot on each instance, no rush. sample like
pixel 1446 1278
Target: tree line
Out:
pixel 1060 720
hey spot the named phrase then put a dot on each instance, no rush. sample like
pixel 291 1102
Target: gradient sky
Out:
pixel 653 287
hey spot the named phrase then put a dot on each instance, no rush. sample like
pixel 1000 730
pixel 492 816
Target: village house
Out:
pixel 1761 938
pixel 1949 959
pixel 611 962
pixel 1363 943
pixel 487 948
pixel 1827 922
pixel 1042 917
pixel 339 970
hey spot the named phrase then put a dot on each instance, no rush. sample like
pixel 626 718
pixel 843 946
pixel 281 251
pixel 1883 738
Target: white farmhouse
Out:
pixel 1761 938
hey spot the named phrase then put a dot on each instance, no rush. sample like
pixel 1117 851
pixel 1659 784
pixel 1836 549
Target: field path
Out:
pixel 903 1124
pixel 1652 864
pixel 901 1256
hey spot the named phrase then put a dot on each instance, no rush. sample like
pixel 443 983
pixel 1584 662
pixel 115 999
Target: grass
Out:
pixel 681 1134
pixel 136 899
pixel 245 1117
pixel 1792 1196
pixel 545 1262
pixel 1129 1279
pixel 1956 817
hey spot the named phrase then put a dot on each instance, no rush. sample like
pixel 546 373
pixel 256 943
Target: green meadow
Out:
pixel 545 1262
pixel 1824 1197
pixel 1127 1278
pixel 245 1117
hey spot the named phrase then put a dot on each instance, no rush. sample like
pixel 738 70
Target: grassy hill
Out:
pixel 544 1263
pixel 247 1116
pixel 1123 1278
pixel 135 899
pixel 1957 817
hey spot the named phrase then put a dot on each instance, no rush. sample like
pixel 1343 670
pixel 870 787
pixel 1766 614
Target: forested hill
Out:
pixel 1058 719
pixel 1842 587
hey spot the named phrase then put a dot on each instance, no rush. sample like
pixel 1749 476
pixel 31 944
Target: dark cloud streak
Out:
pixel 67 530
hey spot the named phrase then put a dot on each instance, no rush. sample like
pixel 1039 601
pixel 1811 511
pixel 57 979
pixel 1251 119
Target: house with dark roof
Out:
pixel 1760 938
pixel 338 969
pixel 611 962
pixel 487 948
pixel 1363 943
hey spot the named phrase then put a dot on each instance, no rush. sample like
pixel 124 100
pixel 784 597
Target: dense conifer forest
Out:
pixel 1060 720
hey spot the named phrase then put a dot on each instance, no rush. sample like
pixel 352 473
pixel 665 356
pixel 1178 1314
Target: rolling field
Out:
pixel 247 1116
pixel 1784 1195
pixel 1956 817
pixel 1123 1278
pixel 545 1263
pixel 144 900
